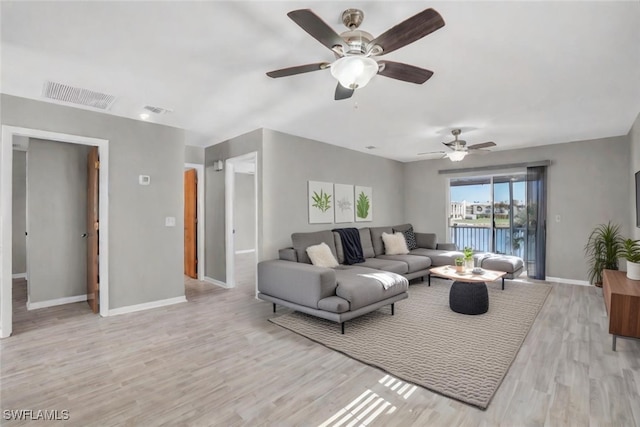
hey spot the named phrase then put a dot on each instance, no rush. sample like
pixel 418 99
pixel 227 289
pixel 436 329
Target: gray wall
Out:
pixel 588 184
pixel 291 161
pixel 634 140
pixel 19 218
pixel 57 219
pixel 215 267
pixel 244 212
pixel 145 257
pixel 193 154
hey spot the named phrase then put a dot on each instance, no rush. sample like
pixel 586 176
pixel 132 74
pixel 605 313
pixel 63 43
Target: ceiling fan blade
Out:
pixel 408 31
pixel 316 27
pixel 482 145
pixel 404 72
pixel 298 70
pixel 342 92
pixel 451 145
pixel 432 152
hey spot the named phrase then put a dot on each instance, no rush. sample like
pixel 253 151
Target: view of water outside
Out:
pixel 471 214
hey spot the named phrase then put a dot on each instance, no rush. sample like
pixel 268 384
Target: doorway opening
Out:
pixel 241 221
pixel 6 225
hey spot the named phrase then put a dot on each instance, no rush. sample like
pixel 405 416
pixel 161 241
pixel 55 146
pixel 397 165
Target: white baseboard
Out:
pixel 245 251
pixel 146 306
pixel 19 276
pixel 54 302
pixel 216 282
pixel 568 281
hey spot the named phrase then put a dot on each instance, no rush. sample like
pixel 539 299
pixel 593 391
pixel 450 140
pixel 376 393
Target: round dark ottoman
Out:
pixel 469 298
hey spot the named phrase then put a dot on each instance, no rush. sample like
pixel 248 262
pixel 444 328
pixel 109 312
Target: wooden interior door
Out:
pixel 93 229
pixel 190 223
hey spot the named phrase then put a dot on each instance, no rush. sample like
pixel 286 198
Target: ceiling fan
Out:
pixel 460 149
pixel 355 49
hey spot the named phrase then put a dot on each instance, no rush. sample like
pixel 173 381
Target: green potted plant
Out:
pixel 459 265
pixel 603 249
pixel 468 257
pixel 631 252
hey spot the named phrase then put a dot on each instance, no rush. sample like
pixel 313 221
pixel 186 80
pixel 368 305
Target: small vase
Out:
pixel 468 264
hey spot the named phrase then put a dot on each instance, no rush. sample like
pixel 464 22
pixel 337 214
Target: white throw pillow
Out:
pixel 395 244
pixel 321 256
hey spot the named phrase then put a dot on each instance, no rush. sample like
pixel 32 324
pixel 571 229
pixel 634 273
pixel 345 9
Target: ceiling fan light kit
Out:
pixel 354 72
pixel 456 156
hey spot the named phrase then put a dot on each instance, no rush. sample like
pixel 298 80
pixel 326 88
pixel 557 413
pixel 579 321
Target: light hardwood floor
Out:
pixel 216 360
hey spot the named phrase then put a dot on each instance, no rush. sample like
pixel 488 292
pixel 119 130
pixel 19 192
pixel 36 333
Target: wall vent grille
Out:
pixel 76 95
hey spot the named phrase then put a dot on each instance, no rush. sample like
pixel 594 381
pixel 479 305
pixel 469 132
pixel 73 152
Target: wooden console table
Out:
pixel 622 299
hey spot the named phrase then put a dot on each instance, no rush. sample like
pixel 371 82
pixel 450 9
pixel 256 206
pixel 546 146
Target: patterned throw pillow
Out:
pixel 410 237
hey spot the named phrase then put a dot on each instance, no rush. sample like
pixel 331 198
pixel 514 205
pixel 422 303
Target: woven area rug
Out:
pixel 425 343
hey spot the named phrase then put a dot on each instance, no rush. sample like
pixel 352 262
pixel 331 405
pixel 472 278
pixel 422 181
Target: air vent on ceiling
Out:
pixel 76 95
pixel 156 110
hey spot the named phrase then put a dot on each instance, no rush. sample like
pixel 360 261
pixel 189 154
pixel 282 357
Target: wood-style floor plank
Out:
pixel 216 360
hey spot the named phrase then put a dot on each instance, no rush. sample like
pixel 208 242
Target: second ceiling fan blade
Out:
pixel 409 31
pixel 404 72
pixel 342 92
pixel 316 27
pixel 482 145
pixel 298 70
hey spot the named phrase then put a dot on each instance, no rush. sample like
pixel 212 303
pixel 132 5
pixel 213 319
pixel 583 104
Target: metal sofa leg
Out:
pixel 429 277
pixel 503 283
pixel 393 311
pixel 274 307
pixel 342 327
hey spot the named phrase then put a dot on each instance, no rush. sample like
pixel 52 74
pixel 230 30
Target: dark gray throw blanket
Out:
pixel 351 245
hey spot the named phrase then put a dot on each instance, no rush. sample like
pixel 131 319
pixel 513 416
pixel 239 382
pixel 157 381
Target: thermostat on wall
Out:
pixel 144 179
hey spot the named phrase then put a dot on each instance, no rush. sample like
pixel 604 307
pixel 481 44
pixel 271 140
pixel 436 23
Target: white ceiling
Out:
pixel 517 73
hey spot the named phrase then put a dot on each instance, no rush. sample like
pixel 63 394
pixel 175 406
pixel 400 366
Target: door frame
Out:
pixel 229 199
pixel 200 209
pixel 6 169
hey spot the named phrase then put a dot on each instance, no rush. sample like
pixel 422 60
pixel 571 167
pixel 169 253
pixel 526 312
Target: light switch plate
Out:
pixel 144 179
pixel 170 221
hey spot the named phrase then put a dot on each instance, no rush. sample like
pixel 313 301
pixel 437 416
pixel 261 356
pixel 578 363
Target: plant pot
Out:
pixel 633 270
pixel 459 268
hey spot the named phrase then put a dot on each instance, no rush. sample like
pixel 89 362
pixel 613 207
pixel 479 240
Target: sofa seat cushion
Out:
pixel 438 258
pixel 334 304
pixel 362 291
pixel 415 262
pixel 301 241
pixel 506 263
pixel 386 265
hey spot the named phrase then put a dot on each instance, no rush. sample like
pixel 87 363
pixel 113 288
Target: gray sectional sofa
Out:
pixel 340 294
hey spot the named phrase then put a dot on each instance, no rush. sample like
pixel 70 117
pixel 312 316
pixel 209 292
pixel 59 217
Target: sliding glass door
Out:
pixel 489 213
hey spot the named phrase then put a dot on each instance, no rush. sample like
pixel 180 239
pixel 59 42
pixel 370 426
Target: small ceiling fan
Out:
pixel 355 49
pixel 460 149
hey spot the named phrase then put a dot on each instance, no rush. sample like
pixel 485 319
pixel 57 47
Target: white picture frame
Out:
pixel 363 198
pixel 320 198
pixel 344 204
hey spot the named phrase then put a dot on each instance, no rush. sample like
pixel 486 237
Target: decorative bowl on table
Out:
pixel 477 270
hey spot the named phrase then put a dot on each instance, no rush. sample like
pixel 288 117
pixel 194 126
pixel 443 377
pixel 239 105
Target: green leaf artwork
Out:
pixel 362 205
pixel 321 201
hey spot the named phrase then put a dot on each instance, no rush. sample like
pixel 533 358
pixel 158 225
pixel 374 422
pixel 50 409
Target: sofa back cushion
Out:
pixel 427 240
pixel 367 244
pixel 365 241
pixel 376 238
pixel 301 241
